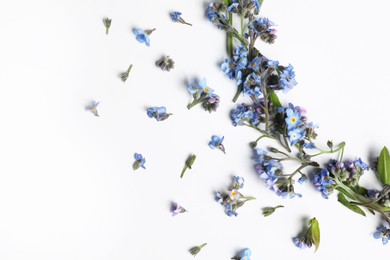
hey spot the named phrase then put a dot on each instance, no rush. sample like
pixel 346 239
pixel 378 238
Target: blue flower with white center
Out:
pixel 139 161
pixel 143 36
pixel 287 79
pixel 293 118
pixel 93 107
pixel 296 135
pixel 216 142
pixel 255 63
pixel 383 233
pixel 159 113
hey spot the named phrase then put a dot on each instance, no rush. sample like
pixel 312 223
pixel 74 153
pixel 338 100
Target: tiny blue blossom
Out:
pixel 175 16
pixel 293 118
pixel 322 181
pixel 93 107
pixel 303 179
pixel 159 113
pixel 244 254
pixel 383 233
pixel 287 79
pixel 216 142
pixel 296 135
pixel 139 161
pixel 300 243
pixel 254 64
pixel 142 36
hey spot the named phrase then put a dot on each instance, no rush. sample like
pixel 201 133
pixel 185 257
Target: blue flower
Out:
pixel 175 16
pixel 302 179
pixel 361 164
pixel 244 254
pixel 194 89
pixel 372 194
pixel 300 242
pixel 273 64
pixel 238 182
pixel 290 193
pixel 287 79
pixel 142 36
pixel 139 161
pixel 255 63
pixel 229 211
pixel 206 89
pixel 382 233
pixel 93 107
pixel 296 135
pixel 159 113
pixel 232 6
pixel 322 181
pixel 216 142
pixel 293 118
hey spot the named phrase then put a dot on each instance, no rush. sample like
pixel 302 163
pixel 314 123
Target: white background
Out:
pixel 67 188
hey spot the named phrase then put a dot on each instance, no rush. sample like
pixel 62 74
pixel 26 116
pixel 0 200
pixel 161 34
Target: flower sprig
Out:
pixel 262 78
pixel 196 249
pixel 233 199
pixel 310 237
pixel 203 94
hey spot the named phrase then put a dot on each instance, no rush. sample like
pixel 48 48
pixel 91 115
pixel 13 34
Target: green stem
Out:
pixel 195 102
pixel 238 93
pixel 183 171
pixel 242 25
pixel 340 147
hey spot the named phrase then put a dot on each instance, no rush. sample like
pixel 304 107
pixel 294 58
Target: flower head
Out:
pixel 176 17
pixel 107 23
pixel 143 36
pixel 93 107
pixel 216 142
pixel 383 233
pixel 244 254
pixel 293 118
pixel 287 79
pixel 139 161
pixel 323 182
pixel 296 135
pixel 159 113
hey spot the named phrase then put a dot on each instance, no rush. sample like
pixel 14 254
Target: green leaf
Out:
pixel 314 232
pixel 346 203
pixel 384 166
pixel 274 99
pixel 346 193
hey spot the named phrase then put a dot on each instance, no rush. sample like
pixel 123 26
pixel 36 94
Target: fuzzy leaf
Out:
pixel 274 99
pixel 346 203
pixel 384 166
pixel 314 232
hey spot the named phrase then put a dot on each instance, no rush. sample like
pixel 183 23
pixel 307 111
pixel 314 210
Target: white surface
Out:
pixel 67 190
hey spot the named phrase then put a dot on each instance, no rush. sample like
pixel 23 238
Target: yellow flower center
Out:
pixel 293 120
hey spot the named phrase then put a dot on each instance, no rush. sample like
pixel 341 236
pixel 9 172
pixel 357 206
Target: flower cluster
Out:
pixel 176 17
pixel 271 171
pixel 233 199
pixel 203 94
